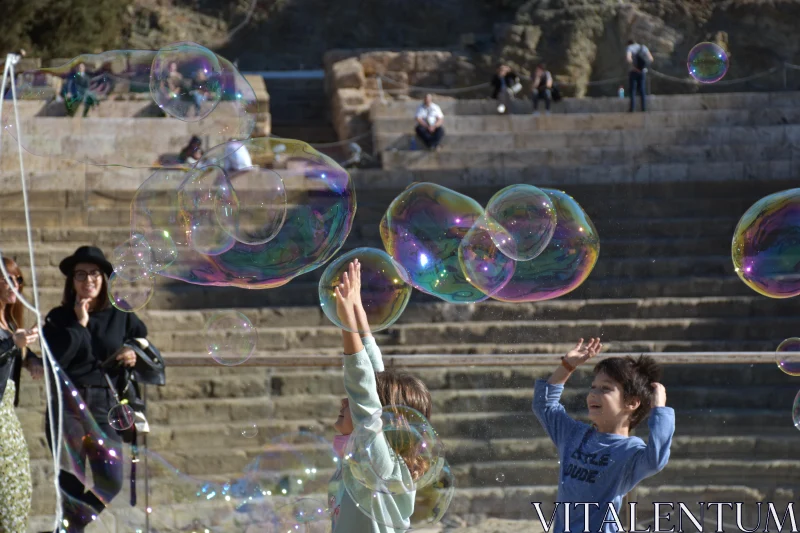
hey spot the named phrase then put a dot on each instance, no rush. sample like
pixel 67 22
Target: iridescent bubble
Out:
pixel 230 338
pixel 707 62
pixel 130 296
pixel 379 451
pixel 796 411
pixel 429 503
pixel 133 259
pixel 422 230
pixel 123 76
pixel 120 417
pixel 198 196
pixel 528 217
pixel 185 80
pixel 156 216
pixel 501 477
pixel 250 431
pixel 305 515
pixel 766 245
pixel 254 209
pixel 320 210
pixel 485 266
pixel 566 261
pixel 384 292
pixel 788 356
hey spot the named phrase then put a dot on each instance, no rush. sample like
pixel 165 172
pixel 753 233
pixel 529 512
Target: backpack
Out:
pixel 639 59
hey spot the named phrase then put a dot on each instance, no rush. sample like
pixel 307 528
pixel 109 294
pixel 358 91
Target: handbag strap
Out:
pixel 111 386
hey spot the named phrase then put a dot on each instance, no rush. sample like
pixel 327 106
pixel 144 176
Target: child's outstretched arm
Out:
pixel 375 356
pixel 547 394
pixel 359 375
pixel 651 459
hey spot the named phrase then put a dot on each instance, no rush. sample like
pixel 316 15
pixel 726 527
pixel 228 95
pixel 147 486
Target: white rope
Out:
pixel 341 143
pixel 692 81
pixel 431 89
pixel 47 355
pixel 242 24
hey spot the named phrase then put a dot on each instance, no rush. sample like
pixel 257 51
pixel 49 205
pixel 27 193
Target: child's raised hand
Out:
pixel 659 395
pixel 348 293
pixel 583 352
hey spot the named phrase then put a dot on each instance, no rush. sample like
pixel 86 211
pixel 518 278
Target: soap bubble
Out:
pixel 566 261
pixel 788 356
pixel 254 209
pixel 766 245
pixel 501 477
pixel 130 296
pixel 249 431
pixel 320 209
pixel 123 77
pixel 429 502
pixel 422 230
pixel 198 196
pixel 305 515
pixel 707 62
pixel 384 293
pixel 230 338
pixel 133 259
pixel 528 217
pixel 379 449
pixel 157 218
pixel 484 265
pixel 796 411
pixel 185 80
pixel 120 417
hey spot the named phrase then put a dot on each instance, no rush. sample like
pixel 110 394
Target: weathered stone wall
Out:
pixel 352 84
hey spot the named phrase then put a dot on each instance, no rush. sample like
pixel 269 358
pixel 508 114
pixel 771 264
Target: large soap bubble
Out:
pixel 485 266
pixel 788 356
pixel 384 291
pixel 422 230
pixel 185 80
pixel 766 245
pixel 320 201
pixel 528 217
pixel 566 261
pixel 707 62
pixel 114 87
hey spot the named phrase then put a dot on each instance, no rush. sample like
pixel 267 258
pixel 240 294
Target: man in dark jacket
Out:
pixel 505 84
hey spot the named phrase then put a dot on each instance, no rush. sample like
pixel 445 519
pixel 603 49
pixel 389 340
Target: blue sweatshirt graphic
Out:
pixel 598 467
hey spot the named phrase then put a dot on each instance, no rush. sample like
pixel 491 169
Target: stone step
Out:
pixel 599 121
pixel 465 157
pixel 674 102
pixel 633 140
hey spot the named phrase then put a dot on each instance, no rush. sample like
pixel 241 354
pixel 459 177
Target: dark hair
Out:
pixel 68 298
pixel 635 376
pixel 631 41
pixel 15 313
pixel 541 66
pixel 403 389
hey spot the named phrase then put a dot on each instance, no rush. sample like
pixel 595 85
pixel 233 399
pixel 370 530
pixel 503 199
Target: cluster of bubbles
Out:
pixel 183 80
pixel 529 244
pixel 707 62
pixel 394 469
pixel 766 254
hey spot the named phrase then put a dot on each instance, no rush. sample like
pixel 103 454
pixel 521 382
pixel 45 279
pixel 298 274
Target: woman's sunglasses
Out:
pixel 18 280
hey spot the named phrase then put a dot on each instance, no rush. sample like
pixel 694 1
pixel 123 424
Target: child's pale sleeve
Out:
pixel 365 406
pixel 651 459
pixel 374 353
pixel 548 409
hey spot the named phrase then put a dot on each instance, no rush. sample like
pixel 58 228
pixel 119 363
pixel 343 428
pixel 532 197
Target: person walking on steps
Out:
pixel 638 58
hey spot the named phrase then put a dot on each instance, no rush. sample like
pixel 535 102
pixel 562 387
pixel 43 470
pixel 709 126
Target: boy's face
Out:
pixel 607 407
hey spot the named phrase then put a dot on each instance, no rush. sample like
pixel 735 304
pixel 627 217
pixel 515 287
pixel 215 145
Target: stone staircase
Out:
pixel 664 282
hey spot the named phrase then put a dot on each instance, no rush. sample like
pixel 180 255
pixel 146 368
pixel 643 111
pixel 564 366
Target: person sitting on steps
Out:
pixel 542 88
pixel 429 123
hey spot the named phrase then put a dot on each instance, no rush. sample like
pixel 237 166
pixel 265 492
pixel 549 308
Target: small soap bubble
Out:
pixel 796 411
pixel 133 259
pixel 230 338
pixel 501 477
pixel 707 62
pixel 130 296
pixel 250 431
pixel 788 356
pixel 120 417
pixel 527 216
pixel 186 80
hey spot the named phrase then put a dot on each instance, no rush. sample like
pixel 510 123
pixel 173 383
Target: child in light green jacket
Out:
pixel 369 388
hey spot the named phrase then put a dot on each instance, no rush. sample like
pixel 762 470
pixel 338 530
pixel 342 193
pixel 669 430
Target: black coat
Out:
pixel 511 78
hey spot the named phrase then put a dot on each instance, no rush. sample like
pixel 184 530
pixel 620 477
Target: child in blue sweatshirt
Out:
pixel 600 463
pixel 369 388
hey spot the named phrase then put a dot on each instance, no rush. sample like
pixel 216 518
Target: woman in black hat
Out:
pixel 83 333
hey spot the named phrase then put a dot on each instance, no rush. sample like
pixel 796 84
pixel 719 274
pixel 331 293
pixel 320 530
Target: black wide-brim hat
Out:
pixel 86 254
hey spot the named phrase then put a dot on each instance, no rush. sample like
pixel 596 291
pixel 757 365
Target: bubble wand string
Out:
pixel 9 74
